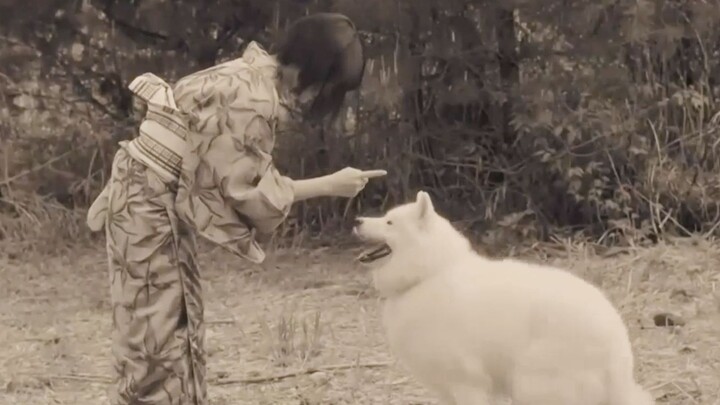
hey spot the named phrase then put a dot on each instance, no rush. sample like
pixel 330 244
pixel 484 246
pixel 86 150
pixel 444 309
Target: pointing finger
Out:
pixel 369 174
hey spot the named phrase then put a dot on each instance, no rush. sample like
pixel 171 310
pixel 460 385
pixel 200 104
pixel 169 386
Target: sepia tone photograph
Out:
pixel 343 202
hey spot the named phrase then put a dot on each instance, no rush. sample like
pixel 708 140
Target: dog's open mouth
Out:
pixel 375 253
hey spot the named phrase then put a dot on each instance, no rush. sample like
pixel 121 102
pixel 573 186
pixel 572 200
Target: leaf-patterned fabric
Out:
pixel 229 188
pixel 225 187
pixel 157 307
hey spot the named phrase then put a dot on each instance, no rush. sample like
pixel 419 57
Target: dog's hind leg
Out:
pixel 553 388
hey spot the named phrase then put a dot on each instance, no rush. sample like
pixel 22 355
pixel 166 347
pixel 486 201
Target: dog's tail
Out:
pixel 629 392
pixel 639 396
pixel 624 390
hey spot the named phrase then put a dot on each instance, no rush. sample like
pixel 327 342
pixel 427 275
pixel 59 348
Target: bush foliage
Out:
pixel 541 118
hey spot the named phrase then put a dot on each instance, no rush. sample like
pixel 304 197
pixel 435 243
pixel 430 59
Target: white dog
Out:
pixel 474 330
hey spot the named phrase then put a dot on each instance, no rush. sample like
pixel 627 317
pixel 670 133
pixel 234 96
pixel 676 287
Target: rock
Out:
pixel 320 378
pixel 25 101
pixel 77 51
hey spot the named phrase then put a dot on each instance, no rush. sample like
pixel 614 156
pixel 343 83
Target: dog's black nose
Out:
pixel 357 222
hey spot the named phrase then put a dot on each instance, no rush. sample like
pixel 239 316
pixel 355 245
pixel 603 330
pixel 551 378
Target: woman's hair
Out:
pixel 326 50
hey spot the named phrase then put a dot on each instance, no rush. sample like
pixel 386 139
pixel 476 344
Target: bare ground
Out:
pixel 270 326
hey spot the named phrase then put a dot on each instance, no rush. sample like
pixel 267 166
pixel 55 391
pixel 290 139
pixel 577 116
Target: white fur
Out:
pixel 474 330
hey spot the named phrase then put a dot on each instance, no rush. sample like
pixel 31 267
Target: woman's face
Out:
pixel 287 85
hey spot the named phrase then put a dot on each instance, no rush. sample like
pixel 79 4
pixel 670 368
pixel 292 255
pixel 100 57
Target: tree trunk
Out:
pixel 509 67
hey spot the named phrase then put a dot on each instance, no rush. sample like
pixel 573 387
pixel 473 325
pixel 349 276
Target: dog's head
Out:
pixel 400 228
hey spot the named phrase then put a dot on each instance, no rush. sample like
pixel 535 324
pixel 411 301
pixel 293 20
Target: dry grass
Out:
pixel 304 330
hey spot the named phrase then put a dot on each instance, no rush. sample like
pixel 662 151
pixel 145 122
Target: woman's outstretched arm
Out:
pixel 311 188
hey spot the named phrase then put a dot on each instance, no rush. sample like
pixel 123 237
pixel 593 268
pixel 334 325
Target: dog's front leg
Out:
pixel 389 282
pixel 446 397
pixel 471 396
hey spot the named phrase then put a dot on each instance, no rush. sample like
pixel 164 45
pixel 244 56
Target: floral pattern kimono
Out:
pixel 201 164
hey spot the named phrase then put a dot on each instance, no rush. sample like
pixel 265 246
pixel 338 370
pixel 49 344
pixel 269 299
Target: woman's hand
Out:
pixel 349 181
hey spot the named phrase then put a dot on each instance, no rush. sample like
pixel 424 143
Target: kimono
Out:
pixel 201 164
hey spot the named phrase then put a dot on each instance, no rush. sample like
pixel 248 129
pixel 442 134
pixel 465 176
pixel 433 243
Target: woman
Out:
pixel 202 163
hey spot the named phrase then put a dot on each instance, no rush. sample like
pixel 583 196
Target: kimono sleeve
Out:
pixel 245 174
pixel 97 213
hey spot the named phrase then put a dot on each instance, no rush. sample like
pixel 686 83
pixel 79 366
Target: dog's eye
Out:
pixel 389 222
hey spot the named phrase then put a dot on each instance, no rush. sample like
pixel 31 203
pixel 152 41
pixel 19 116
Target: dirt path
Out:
pixel 317 310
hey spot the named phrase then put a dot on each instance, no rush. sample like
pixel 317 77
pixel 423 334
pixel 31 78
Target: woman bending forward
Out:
pixel 202 163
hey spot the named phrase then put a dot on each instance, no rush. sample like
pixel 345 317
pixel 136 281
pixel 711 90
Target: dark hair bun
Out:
pixel 327 51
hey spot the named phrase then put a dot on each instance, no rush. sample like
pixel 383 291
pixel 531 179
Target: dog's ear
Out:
pixel 424 203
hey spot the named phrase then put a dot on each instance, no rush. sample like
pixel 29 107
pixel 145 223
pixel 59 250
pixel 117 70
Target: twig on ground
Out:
pixel 296 373
pixel 251 380
pixel 221 322
pixel 80 377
